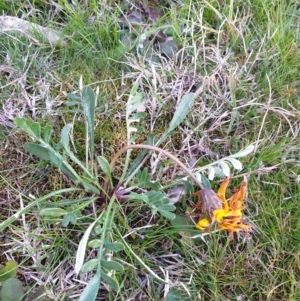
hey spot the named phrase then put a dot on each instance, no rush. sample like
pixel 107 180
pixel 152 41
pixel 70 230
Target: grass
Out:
pixel 243 60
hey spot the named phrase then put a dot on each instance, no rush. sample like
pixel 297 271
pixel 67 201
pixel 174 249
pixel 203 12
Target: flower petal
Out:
pixel 202 224
pixel 222 193
pixel 237 199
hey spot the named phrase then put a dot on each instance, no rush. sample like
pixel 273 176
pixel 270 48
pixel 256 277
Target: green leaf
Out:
pixel 249 149
pixel 144 180
pixel 74 97
pixel 8 271
pixel 53 212
pixel 114 246
pixel 47 133
pixel 137 116
pixel 235 163
pixel 166 208
pixel 177 295
pixel 90 265
pixel 65 135
pixel 112 265
pixel 104 165
pixel 82 246
pixel 37 150
pixel 182 110
pixel 73 218
pixel 11 290
pixel 110 281
pixel 133 103
pixel 167 214
pixel 23 125
pixel 95 243
pixel 66 220
pixel 91 290
pixel 89 103
pixel 36 127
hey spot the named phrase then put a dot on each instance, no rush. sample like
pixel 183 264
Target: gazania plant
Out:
pixel 226 213
pixel 102 199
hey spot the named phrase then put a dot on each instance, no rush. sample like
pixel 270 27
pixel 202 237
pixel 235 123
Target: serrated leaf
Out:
pixel 249 149
pixel 235 163
pixel 37 150
pixel 53 212
pixel 90 265
pixel 91 290
pixel 111 265
pixel 114 246
pixel 110 281
pixel 225 168
pixel 11 290
pixel 80 254
pixel 182 110
pixel 8 271
pixel 47 132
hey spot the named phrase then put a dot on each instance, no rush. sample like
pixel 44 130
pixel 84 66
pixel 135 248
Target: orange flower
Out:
pixel 226 213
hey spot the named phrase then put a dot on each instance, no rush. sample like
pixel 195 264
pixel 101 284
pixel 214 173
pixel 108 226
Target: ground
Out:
pixel 226 73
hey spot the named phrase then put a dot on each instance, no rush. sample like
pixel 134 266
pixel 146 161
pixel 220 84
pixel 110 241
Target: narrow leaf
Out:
pixel 47 133
pixel 211 173
pixel 53 212
pixel 104 165
pixel 91 290
pixel 249 149
pixel 82 247
pixel 110 281
pixel 89 101
pixel 182 110
pixel 65 135
pixel 225 168
pixel 235 163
